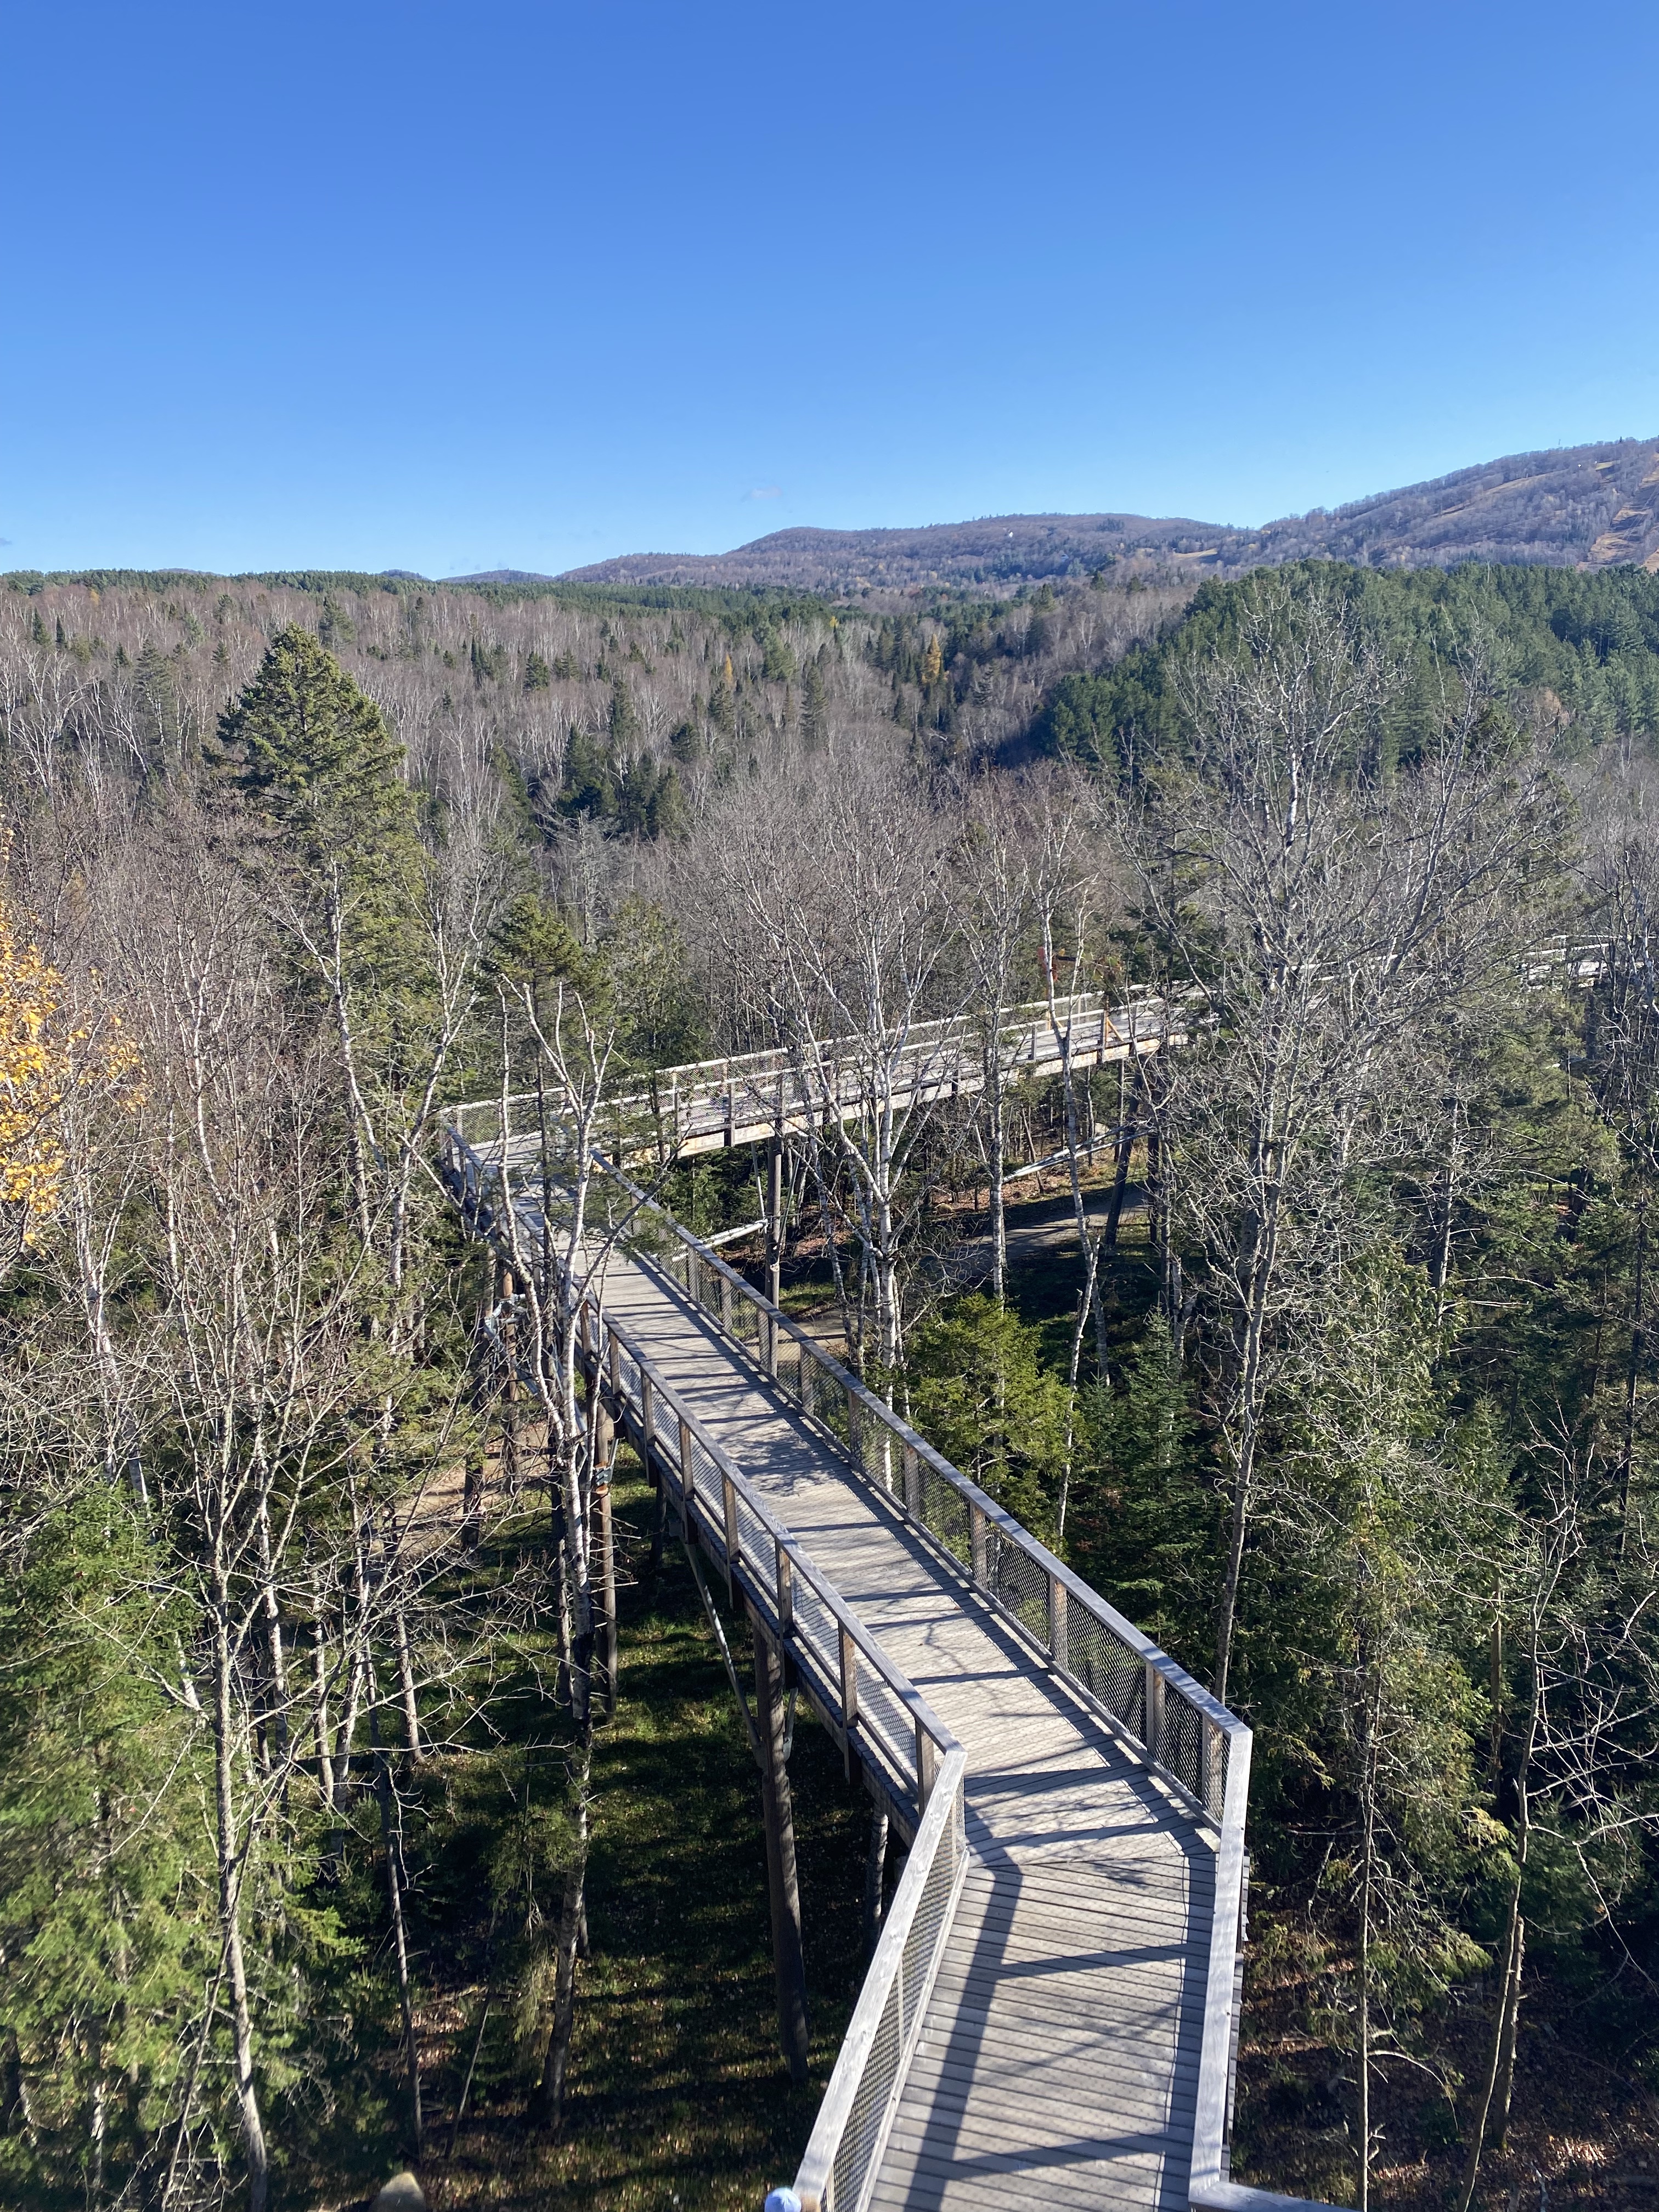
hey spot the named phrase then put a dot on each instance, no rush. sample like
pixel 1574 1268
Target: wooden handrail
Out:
pixel 1217 1794
pixel 711 1087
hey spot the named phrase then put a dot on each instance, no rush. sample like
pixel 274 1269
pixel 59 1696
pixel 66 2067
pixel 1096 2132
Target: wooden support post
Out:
pixel 875 1878
pixel 688 1473
pixel 725 1303
pixel 913 1482
pixel 787 1961
pixel 786 1592
pixel 607 1590
pixel 976 1539
pixel 775 1215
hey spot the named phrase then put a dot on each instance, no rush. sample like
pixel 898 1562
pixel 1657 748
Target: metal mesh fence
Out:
pixel 862 2132
pixel 928 1926
pixel 944 1515
pixel 1017 1581
pixel 705 1478
pixel 816 1627
pixel 887 1719
pixel 755 1539
pixel 1106 1668
pixel 1182 1749
pixel 830 1402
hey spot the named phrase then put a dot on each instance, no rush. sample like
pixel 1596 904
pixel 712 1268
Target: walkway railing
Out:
pixel 707 1104
pixel 1153 1705
pixel 1165 1718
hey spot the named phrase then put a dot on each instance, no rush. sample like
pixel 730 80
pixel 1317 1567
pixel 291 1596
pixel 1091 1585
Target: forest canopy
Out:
pixel 1326 1351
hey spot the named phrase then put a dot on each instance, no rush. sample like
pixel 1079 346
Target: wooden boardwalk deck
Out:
pixel 1059 2058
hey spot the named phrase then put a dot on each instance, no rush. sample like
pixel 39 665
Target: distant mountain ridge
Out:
pixel 1578 507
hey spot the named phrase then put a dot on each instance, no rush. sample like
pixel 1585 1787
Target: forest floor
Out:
pixel 1583 2132
pixel 678 2099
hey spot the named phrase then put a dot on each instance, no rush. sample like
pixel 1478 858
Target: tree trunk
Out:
pixel 391 1839
pixel 782 1885
pixel 319 1697
pixel 228 1840
pixel 549 2094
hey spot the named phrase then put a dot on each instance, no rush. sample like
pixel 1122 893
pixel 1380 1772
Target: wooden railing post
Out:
pixel 725 1302
pixel 648 1410
pixel 927 1767
pixel 913 1482
pixel 849 1693
pixel 729 1503
pixel 1154 1735
pixel 1058 1643
pixel 1214 1768
pixel 976 1539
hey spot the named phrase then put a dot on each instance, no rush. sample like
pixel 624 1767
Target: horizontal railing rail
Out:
pixel 709 1103
pixel 1120 1672
pixel 1184 1735
pixel 843 2154
pixel 870 1705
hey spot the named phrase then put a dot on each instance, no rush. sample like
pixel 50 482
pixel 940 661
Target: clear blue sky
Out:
pixel 365 284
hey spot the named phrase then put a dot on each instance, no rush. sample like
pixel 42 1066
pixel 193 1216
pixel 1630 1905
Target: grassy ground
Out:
pixel 678 2096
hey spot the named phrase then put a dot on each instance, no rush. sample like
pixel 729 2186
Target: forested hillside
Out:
pixel 320 1848
pixel 1589 506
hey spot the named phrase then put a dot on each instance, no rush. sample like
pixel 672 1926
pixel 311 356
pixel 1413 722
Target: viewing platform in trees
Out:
pixel 711 1104
pixel 1050 2015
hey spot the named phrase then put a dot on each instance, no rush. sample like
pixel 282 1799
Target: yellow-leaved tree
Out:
pixel 50 1053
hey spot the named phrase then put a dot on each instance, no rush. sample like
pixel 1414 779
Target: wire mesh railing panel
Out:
pixel 862 2132
pixel 879 1452
pixel 1107 1668
pixel 816 1626
pixel 789 1366
pixel 754 1537
pixel 888 1717
pixel 1017 1581
pixel 944 1515
pixel 928 1926
pixel 1182 1747
pixel 706 1476
pixel 830 1402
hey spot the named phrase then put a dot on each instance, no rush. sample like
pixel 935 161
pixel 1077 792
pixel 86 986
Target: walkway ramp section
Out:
pixel 1050 2015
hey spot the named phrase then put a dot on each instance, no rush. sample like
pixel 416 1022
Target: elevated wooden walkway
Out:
pixel 1050 2016
pixel 713 1104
